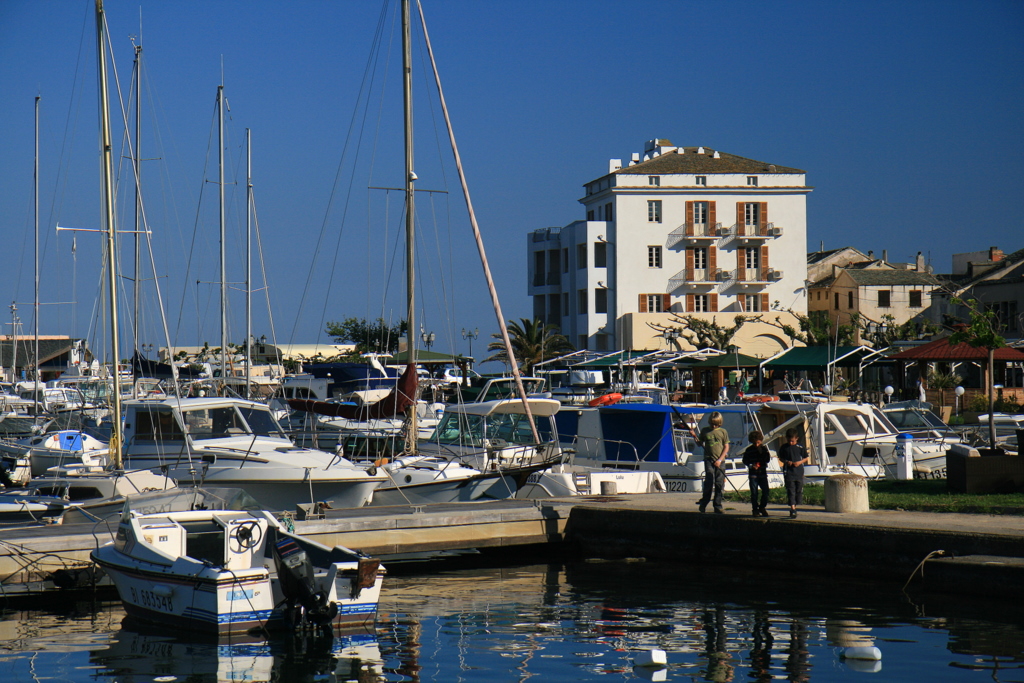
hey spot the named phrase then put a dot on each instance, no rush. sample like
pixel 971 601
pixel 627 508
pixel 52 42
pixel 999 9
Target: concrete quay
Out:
pixel 982 554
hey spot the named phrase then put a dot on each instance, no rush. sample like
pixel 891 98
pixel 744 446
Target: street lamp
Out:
pixel 470 335
pixel 428 339
pixel 888 392
pixel 959 391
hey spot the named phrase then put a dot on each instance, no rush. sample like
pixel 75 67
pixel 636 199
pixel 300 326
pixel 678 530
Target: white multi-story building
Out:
pixel 684 230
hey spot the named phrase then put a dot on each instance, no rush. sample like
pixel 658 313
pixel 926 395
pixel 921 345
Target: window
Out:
pixel 753 258
pixel 752 180
pixel 700 213
pixel 654 210
pixel 654 180
pixel 583 342
pixel 701 304
pixel 602 342
pixel 600 255
pixel 600 301
pixel 581 301
pixel 752 303
pixel 581 255
pixel 702 180
pixel 752 214
pixel 915 298
pixel 836 295
pixel 654 303
pixel 700 258
pixel 608 212
pixel 849 300
pixel 654 256
pixel 883 298
pixel 565 260
pixel 590 215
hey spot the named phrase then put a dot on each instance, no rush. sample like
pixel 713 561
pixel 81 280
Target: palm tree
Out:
pixel 532 342
pixel 937 379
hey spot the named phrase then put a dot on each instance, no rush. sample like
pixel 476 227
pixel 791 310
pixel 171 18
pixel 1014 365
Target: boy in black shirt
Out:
pixel 793 457
pixel 756 458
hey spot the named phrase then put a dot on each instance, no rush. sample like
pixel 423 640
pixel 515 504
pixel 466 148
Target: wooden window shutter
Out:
pixel 763 228
pixel 643 303
pixel 739 218
pixel 689 219
pixel 689 303
pixel 741 258
pixel 712 259
pixel 764 301
pixel 741 302
pixel 666 302
pixel 764 257
pixel 711 215
pixel 714 302
pixel 689 262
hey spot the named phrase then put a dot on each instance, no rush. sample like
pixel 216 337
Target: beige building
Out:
pixel 875 290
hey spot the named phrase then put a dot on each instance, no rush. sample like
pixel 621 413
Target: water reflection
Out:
pixel 582 621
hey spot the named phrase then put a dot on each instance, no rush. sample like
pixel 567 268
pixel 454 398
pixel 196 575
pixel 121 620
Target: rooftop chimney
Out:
pixel 919 263
pixel 995 254
pixel 716 155
pixel 885 256
pixel 614 165
pixel 871 255
pixel 700 150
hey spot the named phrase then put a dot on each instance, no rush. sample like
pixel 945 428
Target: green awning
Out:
pixel 424 357
pixel 818 357
pixel 729 360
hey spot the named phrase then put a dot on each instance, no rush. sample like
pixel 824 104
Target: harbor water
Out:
pixel 576 621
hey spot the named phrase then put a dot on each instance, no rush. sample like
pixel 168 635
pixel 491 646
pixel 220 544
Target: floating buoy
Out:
pixel 868 653
pixel 652 657
pixel 606 400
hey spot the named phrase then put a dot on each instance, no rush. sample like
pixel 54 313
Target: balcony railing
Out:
pixel 693 277
pixel 694 231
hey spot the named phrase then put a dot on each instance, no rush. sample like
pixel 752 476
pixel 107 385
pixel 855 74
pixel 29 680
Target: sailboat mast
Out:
pixel 248 263
pixel 223 245
pixel 138 198
pixel 410 192
pixel 35 323
pixel 111 241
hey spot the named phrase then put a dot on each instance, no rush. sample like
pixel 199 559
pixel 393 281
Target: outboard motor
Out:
pixel 298 583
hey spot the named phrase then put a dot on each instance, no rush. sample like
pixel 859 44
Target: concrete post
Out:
pixel 846 493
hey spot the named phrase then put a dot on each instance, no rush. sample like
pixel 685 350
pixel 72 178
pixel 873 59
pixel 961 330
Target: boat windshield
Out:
pixel 914 419
pixel 471 430
pixel 214 423
pixel 851 424
pixel 261 422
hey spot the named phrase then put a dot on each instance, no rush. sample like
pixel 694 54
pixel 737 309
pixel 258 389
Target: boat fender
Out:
pixel 868 653
pixel 651 658
pixel 606 400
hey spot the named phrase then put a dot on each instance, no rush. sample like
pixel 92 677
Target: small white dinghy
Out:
pixel 234 570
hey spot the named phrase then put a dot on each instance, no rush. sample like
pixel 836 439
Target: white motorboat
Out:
pixel 418 479
pixel 219 564
pixel 60 448
pixel 229 442
pixel 575 480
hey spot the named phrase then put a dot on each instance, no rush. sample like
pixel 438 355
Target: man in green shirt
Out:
pixel 715 441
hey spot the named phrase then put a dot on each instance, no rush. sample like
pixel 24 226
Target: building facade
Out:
pixel 675 231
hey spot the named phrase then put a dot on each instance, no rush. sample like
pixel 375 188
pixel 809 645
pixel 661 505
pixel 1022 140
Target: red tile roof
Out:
pixel 941 350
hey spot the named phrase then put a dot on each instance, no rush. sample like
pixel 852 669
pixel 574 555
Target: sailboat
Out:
pixel 441 474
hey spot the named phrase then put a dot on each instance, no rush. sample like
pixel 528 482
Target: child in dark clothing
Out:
pixel 793 457
pixel 756 458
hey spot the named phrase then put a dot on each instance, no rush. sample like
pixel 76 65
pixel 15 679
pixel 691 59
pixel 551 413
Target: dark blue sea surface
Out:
pixel 581 621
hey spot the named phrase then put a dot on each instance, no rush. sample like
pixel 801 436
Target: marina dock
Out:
pixel 947 549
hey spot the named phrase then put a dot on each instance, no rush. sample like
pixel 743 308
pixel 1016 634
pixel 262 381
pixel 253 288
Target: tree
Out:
pixel 369 337
pixel 981 333
pixel 817 329
pixel 532 342
pixel 703 333
pixel 887 332
pixel 937 379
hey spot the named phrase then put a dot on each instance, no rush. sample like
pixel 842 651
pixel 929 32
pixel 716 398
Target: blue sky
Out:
pixel 905 115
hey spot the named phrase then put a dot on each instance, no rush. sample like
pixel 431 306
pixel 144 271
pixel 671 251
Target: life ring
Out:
pixel 606 400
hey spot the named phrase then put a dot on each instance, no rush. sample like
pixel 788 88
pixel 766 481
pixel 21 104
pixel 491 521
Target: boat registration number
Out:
pixel 677 485
pixel 152 600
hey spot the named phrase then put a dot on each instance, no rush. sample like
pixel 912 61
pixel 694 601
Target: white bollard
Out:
pixel 846 493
